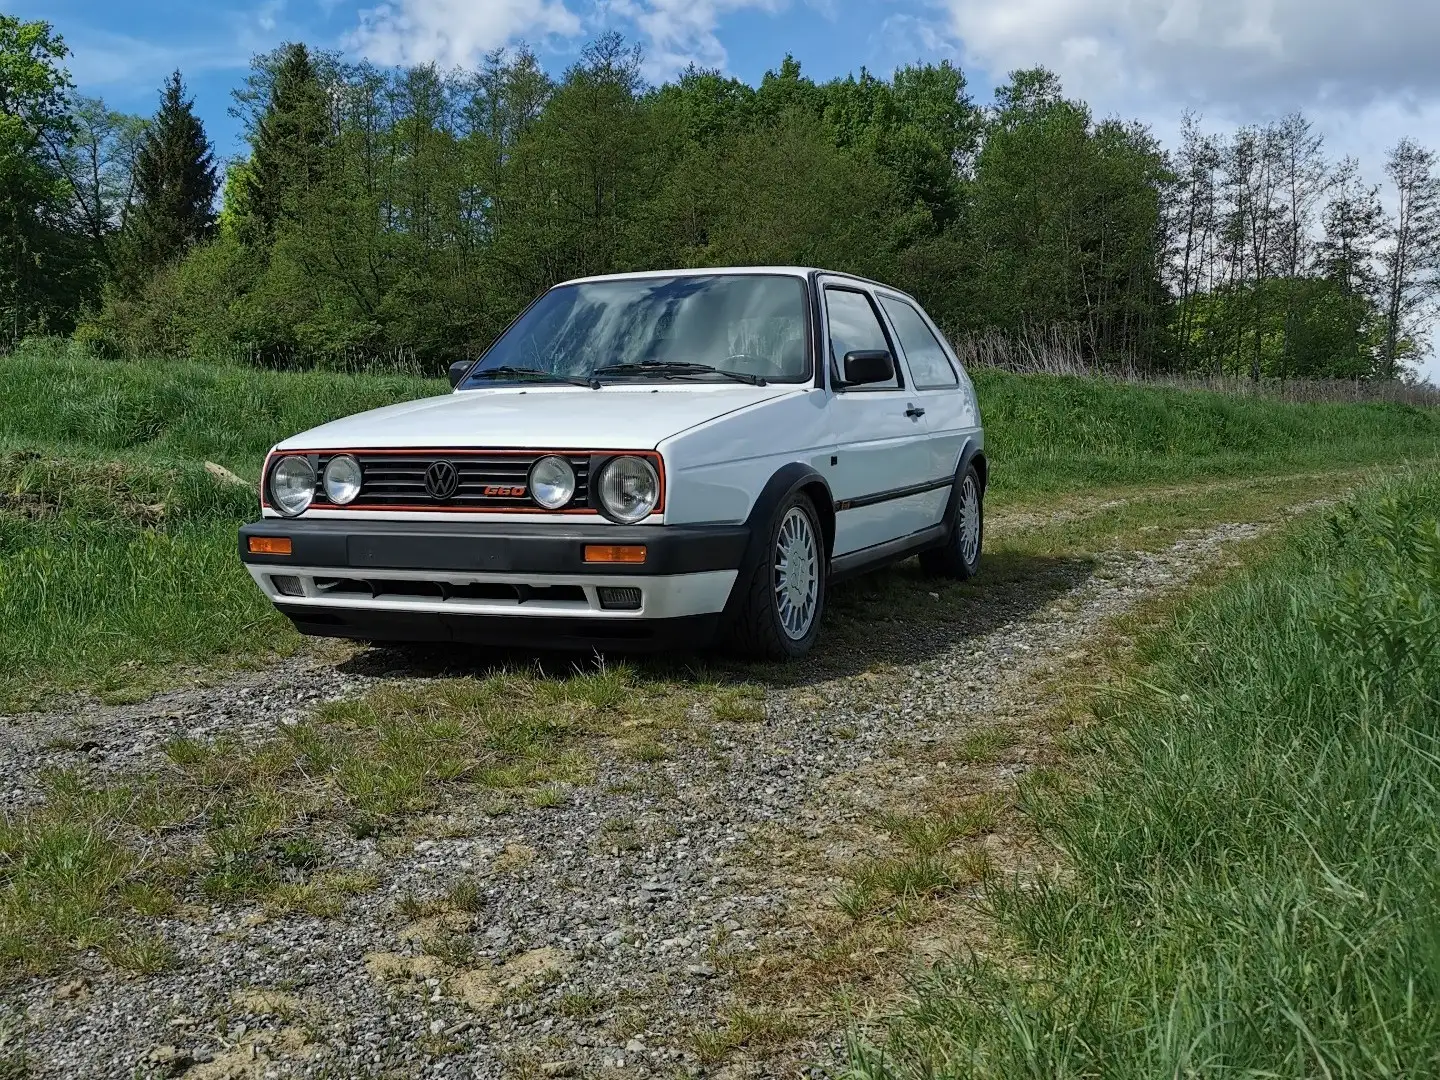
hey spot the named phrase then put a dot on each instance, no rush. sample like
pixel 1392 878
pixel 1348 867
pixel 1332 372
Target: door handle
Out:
pixel 913 412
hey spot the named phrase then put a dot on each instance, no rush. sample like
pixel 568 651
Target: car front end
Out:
pixel 508 546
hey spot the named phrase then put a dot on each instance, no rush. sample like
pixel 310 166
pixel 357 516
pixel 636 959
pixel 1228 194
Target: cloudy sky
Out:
pixel 1365 71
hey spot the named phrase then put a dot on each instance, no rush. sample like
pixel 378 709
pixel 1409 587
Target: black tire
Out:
pixel 959 557
pixel 758 629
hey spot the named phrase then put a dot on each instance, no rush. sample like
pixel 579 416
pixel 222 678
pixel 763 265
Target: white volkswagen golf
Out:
pixel 646 460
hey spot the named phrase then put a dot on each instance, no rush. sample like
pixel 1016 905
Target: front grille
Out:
pixel 398 480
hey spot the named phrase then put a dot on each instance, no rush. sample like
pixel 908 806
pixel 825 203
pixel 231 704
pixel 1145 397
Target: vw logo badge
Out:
pixel 441 480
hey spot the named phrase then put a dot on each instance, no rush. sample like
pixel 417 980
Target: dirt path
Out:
pixel 625 932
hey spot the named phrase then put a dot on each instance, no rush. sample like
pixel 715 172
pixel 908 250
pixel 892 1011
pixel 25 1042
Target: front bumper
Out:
pixel 525 585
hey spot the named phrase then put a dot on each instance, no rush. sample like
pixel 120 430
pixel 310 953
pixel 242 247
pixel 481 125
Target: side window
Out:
pixel 929 366
pixel 854 326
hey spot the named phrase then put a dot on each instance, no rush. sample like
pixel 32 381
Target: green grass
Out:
pixel 179 410
pixel 1044 433
pixel 1254 858
pixel 1047 434
pixel 118 571
pixel 114 570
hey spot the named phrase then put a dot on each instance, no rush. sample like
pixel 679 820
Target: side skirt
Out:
pixel 863 561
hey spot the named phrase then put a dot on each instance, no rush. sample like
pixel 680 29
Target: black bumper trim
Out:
pixel 499 548
pixel 507 631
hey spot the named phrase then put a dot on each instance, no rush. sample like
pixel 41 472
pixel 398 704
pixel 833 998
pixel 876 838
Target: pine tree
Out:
pixel 288 147
pixel 175 186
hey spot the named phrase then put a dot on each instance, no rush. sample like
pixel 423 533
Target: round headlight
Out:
pixel 292 485
pixel 629 489
pixel 552 482
pixel 342 479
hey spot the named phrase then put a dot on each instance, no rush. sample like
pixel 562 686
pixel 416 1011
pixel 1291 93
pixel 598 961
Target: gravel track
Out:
pixel 607 929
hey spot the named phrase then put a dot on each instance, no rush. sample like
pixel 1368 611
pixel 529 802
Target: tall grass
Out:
pixel 1044 432
pixel 1059 350
pixel 111 569
pixel 1048 433
pixel 1254 868
pixel 224 413
pixel 117 549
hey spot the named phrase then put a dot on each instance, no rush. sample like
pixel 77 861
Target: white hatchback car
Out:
pixel 642 460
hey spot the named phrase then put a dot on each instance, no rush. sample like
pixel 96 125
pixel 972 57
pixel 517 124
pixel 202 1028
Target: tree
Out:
pixel 1304 177
pixel 175 188
pixel 1192 230
pixel 1354 223
pixel 38 265
pixel 287 147
pixel 1065 220
pixel 99 167
pixel 1412 262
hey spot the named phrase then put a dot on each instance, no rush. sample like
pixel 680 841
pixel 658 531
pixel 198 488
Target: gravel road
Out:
pixel 606 931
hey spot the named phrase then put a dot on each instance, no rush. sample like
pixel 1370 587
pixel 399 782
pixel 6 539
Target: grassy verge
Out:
pixel 1253 857
pixel 117 566
pixel 1055 434
pixel 179 410
pixel 225 821
pixel 114 570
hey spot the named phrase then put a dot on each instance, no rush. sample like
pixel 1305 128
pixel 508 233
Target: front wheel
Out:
pixel 959 557
pixel 784 598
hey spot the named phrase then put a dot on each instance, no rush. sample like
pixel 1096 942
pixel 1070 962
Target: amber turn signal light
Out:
pixel 614 553
pixel 269 545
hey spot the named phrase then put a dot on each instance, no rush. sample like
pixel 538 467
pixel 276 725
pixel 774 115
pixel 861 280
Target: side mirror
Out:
pixel 458 370
pixel 868 366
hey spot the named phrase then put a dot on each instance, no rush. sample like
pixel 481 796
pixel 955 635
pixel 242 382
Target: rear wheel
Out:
pixel 784 598
pixel 959 557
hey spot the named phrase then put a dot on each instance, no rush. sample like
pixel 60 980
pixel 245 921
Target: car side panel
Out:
pixel 716 471
pixel 883 447
pixel 952 414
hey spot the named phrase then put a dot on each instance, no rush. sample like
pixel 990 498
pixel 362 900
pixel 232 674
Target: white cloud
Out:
pixel 673 33
pixel 1211 51
pixel 676 33
pixel 100 60
pixel 1364 73
pixel 451 32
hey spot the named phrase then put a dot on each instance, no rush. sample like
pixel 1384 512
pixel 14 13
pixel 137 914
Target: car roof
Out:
pixel 698 271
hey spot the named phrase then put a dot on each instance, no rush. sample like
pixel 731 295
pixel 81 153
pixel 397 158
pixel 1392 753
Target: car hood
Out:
pixel 629 417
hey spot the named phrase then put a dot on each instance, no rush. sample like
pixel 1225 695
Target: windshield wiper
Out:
pixel 671 369
pixel 505 372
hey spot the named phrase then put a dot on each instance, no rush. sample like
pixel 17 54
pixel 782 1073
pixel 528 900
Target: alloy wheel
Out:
pixel 797 574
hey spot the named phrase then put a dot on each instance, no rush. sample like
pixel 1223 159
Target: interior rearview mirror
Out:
pixel 868 366
pixel 458 370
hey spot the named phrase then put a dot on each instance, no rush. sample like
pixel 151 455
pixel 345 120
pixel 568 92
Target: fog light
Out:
pixel 287 584
pixel 619 599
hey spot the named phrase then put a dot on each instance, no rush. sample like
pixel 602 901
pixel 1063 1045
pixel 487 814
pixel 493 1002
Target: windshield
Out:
pixel 663 327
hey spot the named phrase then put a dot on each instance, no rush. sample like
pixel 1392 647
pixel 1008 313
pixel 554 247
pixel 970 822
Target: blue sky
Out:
pixel 1364 71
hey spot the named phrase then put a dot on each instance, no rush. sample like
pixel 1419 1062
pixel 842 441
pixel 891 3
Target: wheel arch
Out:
pixel 970 454
pixel 785 482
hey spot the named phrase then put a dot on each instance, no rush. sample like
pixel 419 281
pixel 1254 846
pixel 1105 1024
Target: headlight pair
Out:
pixel 293 482
pixel 629 486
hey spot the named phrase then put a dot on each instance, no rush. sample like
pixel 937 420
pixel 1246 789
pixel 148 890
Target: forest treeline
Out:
pixel 413 212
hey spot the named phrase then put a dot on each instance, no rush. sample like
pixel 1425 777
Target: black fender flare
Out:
pixel 971 454
pixel 786 482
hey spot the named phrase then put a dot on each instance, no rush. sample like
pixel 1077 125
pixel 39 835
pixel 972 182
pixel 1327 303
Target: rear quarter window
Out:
pixel 929 365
